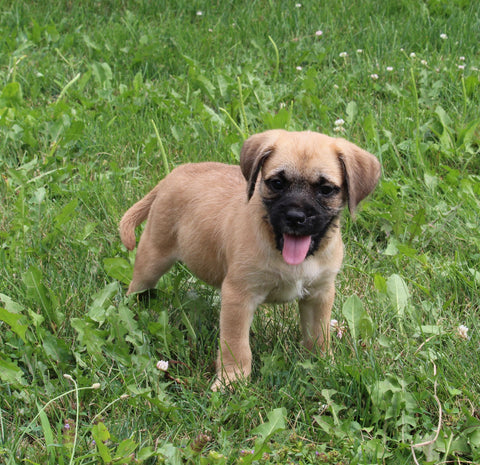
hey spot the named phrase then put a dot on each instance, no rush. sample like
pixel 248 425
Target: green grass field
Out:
pixel 97 98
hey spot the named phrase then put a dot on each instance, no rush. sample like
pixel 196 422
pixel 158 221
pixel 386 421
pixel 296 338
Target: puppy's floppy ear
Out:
pixel 361 170
pixel 256 149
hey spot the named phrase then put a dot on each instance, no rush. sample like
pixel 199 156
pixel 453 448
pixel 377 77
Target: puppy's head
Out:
pixel 304 180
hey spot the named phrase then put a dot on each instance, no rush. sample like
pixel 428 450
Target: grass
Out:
pixel 98 100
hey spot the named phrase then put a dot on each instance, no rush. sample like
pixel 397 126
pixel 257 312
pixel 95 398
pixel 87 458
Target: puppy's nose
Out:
pixel 295 217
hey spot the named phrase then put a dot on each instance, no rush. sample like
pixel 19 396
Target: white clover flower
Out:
pixel 461 67
pixel 339 122
pixel 462 331
pixel 323 407
pixel 443 36
pixel 412 55
pixel 319 33
pixel 162 365
pixel 343 55
pixel 335 86
pixel 389 68
pixel 359 50
pixel 298 5
pixel 424 62
pixel 199 13
pixel 374 76
pixel 298 68
pixel 461 58
pixel 337 327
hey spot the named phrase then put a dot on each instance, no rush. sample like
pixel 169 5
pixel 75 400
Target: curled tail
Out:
pixel 134 216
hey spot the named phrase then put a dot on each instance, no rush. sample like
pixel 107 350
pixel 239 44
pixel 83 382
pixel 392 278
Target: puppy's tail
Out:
pixel 134 216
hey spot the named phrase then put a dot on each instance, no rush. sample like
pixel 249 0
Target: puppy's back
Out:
pixel 187 213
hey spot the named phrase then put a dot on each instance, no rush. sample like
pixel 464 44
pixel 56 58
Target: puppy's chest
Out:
pixel 297 284
pixel 286 291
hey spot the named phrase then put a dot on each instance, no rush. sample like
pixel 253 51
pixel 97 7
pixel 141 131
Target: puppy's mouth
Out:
pixel 295 248
pixel 298 230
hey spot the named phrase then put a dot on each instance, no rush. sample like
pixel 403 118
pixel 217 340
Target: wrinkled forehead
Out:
pixel 308 156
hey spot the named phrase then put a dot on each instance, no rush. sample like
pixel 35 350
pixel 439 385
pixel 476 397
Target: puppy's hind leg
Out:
pixel 151 263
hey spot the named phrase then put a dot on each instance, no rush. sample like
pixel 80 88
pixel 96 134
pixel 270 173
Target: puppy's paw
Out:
pixel 218 385
pixel 228 381
pixel 319 345
pixel 145 296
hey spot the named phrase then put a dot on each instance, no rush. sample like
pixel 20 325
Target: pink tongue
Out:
pixel 295 248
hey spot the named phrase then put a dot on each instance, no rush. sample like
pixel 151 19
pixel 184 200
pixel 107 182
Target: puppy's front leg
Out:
pixel 236 314
pixel 315 312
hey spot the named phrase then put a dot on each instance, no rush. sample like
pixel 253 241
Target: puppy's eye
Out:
pixel 276 184
pixel 327 190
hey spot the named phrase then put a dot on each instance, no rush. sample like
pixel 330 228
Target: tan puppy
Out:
pixel 267 231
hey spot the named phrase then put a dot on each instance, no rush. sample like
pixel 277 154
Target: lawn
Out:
pixel 99 100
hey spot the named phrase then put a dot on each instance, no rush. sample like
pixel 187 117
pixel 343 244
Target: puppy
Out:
pixel 266 231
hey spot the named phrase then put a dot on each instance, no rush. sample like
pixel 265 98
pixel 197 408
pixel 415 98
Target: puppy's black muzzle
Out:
pixel 299 218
